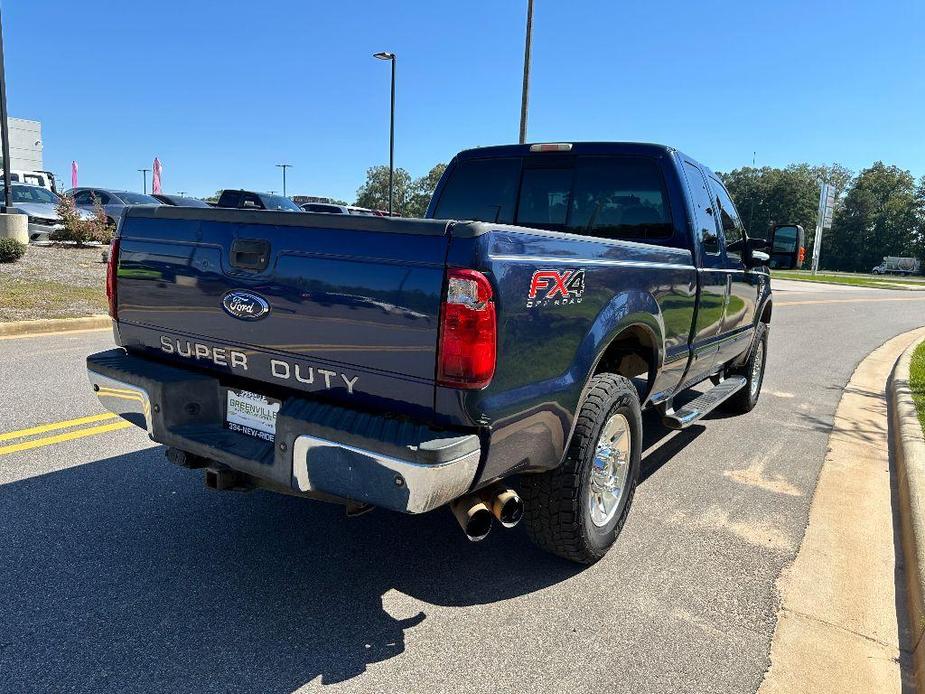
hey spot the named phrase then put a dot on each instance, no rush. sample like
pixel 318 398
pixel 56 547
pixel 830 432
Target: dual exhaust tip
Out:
pixel 477 512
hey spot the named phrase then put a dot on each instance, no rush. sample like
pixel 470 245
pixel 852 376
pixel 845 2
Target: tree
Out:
pixel 881 215
pixel 769 196
pixel 422 190
pixel 374 193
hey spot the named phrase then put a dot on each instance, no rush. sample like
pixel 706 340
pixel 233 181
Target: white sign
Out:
pixel 252 414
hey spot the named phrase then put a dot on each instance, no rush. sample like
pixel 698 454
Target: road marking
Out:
pixel 67 436
pixel 54 426
pixel 845 301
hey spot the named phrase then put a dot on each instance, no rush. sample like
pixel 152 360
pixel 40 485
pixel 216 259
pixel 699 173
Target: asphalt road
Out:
pixel 121 572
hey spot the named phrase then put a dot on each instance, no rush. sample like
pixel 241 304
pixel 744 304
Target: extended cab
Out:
pixel 494 357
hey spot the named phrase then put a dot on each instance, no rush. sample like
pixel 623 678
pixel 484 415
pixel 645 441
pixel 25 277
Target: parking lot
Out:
pixel 122 572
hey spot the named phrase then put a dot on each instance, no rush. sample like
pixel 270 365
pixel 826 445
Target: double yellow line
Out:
pixel 36 436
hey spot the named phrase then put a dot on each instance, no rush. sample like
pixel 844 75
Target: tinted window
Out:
pixel 84 197
pixel 32 194
pixel 544 198
pixel 481 189
pixel 619 197
pixel 316 207
pixel 251 201
pixel 703 209
pixel 729 219
pixel 278 202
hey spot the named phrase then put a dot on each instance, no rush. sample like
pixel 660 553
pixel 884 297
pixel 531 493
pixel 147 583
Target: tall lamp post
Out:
pixel 524 94
pixel 4 129
pixel 144 180
pixel 284 167
pixel 383 55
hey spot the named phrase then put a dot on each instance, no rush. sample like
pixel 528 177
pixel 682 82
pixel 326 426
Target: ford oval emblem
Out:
pixel 245 305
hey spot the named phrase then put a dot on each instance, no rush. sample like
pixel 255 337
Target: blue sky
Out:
pixel 221 91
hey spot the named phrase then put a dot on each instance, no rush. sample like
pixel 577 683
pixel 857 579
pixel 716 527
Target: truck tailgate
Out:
pixel 352 303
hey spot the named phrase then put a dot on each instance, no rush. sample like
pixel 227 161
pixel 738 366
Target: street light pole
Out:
pixel 284 167
pixel 526 88
pixel 4 129
pixel 383 55
pixel 144 180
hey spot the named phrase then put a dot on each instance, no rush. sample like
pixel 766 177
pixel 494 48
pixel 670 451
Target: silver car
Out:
pixel 38 204
pixel 114 202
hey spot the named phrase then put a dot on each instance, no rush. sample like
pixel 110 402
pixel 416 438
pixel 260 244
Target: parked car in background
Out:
pixel 39 205
pixel 894 265
pixel 331 208
pixel 250 200
pixel 179 200
pixel 114 202
pixel 34 178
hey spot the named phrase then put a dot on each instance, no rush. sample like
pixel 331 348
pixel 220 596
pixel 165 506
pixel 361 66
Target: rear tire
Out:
pixel 753 370
pixel 577 510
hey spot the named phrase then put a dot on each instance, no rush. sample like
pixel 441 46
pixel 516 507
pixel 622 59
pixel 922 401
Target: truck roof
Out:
pixel 644 148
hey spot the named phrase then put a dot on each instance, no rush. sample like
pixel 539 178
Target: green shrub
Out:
pixel 11 250
pixel 78 229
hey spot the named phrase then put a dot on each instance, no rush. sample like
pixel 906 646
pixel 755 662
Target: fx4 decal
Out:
pixel 556 288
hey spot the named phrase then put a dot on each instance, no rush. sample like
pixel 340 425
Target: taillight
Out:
pixel 466 357
pixel 111 268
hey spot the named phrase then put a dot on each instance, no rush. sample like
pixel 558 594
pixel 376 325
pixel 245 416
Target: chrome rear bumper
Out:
pixel 318 451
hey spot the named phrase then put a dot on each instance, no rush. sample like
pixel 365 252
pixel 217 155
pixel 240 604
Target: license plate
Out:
pixel 252 414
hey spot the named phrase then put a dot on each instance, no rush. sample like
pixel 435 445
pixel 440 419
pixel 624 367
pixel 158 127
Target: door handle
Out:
pixel 250 254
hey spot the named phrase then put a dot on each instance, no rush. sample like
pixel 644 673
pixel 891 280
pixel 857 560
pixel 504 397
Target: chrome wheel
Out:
pixel 757 368
pixel 609 470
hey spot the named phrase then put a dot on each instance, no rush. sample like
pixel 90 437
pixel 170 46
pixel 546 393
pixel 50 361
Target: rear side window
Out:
pixel 481 189
pixel 729 219
pixel 703 209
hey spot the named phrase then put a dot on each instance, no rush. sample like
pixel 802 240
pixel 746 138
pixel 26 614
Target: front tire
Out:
pixel 753 370
pixel 577 510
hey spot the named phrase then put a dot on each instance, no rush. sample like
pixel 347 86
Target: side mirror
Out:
pixel 787 246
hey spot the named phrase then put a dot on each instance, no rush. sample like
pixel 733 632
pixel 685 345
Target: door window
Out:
pixel 84 197
pixel 703 210
pixel 733 230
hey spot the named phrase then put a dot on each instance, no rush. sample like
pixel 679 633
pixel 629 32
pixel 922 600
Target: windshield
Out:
pixel 619 197
pixel 32 194
pixel 278 202
pixel 137 199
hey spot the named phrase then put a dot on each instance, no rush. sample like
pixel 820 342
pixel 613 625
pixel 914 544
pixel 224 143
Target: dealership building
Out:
pixel 25 144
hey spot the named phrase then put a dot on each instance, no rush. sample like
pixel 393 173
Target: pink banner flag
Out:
pixel 156 176
pixel 73 174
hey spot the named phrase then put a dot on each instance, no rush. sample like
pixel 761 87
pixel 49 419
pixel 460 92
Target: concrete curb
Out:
pixel 24 328
pixel 909 449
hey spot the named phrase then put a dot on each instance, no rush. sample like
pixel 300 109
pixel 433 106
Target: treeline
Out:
pixel 410 197
pixel 879 211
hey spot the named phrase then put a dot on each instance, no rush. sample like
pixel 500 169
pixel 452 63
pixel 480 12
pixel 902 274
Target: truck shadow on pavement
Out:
pixel 127 574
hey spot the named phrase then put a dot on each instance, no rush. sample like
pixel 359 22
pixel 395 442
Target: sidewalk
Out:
pixel 842 624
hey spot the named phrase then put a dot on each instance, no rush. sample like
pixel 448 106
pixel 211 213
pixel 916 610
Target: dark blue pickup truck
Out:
pixel 494 357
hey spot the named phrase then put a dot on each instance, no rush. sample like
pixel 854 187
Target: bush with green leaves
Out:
pixel 79 229
pixel 11 250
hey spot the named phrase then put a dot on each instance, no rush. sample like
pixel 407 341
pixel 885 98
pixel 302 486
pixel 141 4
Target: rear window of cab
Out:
pixel 618 197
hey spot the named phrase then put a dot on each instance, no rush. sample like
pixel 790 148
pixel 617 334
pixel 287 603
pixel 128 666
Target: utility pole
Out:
pixel 144 180
pixel 4 129
pixel 284 167
pixel 524 96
